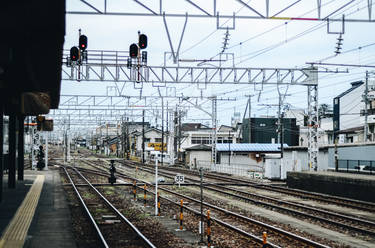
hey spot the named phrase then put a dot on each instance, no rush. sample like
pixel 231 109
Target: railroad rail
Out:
pixel 139 241
pixel 350 223
pixel 346 202
pixel 251 224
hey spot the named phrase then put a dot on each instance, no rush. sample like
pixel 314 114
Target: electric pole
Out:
pixel 365 133
pixel 162 130
pixel 249 103
pixel 143 136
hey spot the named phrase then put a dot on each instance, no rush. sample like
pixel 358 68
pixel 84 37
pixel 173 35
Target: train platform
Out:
pixel 349 185
pixel 36 213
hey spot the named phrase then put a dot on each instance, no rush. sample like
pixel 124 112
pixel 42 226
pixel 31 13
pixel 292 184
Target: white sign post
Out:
pixel 179 179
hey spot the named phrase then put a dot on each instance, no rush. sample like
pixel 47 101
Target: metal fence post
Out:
pixel 181 213
pixel 144 196
pixel 158 199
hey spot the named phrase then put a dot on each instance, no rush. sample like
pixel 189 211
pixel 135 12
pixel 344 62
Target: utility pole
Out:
pixel 229 149
pixel 248 110
pixel 143 136
pixel 127 139
pixel 179 134
pixel 107 148
pixel 175 130
pixel 282 135
pixel 122 137
pixel 365 133
pixel 171 141
pixel 249 103
pixel 117 142
pixel 214 131
pixel 279 121
pixel 162 130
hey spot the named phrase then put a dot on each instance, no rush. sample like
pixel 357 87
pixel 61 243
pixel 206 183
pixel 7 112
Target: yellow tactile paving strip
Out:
pixel 15 234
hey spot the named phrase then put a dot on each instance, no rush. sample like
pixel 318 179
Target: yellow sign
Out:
pixel 157 146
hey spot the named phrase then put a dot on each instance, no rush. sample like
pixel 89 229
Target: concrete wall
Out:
pixel 297 160
pixel 241 165
pixel 340 184
pixel 240 159
pixel 198 155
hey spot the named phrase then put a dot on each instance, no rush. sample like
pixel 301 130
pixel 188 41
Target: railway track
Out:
pixel 248 226
pixel 121 232
pixel 345 202
pixel 360 226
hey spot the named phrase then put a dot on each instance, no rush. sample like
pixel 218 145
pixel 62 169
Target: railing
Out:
pixel 244 170
pixel 357 166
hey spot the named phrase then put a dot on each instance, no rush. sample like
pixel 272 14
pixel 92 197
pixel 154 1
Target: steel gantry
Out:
pixel 214 9
pixel 114 70
pixel 111 66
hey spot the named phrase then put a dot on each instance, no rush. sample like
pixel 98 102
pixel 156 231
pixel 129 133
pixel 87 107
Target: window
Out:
pixel 195 140
pixel 157 139
pixel 201 140
pixel 147 139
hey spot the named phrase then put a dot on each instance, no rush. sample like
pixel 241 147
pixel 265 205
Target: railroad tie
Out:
pixel 15 234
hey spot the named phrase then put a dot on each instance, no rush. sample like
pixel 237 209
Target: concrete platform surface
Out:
pixel 51 225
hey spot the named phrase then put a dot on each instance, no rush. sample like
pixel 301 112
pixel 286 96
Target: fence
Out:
pixel 357 166
pixel 244 170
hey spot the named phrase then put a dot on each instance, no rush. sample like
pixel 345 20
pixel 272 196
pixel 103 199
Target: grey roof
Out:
pixel 249 147
pixel 200 147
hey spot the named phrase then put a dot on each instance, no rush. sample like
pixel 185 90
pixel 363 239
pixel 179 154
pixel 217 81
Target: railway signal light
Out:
pixel 142 41
pixel 83 42
pixel 144 56
pixel 133 50
pixel 112 170
pixel 74 53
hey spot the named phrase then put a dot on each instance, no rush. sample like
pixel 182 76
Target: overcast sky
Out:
pixel 254 43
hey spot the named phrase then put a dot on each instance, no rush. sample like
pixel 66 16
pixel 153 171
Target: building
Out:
pixel 152 141
pixel 196 154
pixel 349 113
pixel 264 130
pixel 246 160
pixel 202 135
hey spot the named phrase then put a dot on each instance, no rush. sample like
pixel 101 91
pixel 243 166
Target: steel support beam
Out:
pixel 20 159
pixel 313 125
pixel 214 132
pixel 1 148
pixel 159 76
pixel 209 10
pixel 12 151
